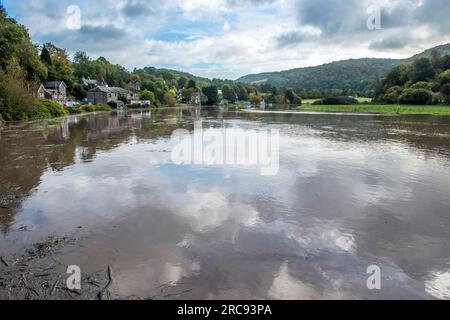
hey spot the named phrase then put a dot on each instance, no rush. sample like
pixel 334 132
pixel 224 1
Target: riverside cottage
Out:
pixel 53 90
pixel 102 94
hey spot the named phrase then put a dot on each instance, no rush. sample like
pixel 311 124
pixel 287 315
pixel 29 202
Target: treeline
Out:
pixel 423 81
pixel 357 76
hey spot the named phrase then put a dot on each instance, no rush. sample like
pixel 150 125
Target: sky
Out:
pixel 232 38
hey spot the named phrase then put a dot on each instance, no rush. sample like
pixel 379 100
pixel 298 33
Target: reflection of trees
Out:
pixel 28 150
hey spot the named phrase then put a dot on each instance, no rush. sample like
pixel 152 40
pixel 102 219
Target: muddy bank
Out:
pixel 36 274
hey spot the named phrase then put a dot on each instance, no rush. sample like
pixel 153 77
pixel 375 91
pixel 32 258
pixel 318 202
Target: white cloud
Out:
pixel 228 38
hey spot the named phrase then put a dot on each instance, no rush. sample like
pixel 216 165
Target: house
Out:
pixel 94 83
pixel 135 85
pixel 102 94
pixel 53 90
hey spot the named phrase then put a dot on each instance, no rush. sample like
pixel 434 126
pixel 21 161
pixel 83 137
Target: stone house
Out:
pixel 135 85
pixel 101 94
pixel 90 83
pixel 53 90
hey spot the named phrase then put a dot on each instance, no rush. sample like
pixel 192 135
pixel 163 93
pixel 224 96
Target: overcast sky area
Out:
pixel 232 38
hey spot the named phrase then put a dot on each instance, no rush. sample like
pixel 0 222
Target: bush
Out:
pixel 75 110
pixel 103 107
pixel 423 85
pixel 415 96
pixel 339 101
pixel 444 77
pixel 392 94
pixel 53 107
pixel 40 111
pixel 445 92
pixel 15 102
pixel 89 108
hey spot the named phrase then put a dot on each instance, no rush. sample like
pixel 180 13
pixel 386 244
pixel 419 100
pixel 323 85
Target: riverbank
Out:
pixel 380 109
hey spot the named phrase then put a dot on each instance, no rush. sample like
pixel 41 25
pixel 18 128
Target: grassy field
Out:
pixel 360 100
pixel 383 109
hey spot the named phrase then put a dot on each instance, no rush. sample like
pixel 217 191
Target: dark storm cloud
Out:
pixel 391 43
pixel 435 13
pixel 91 37
pixel 333 17
pixel 345 20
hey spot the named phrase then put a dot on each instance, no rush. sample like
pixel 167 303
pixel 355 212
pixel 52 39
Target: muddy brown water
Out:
pixel 351 191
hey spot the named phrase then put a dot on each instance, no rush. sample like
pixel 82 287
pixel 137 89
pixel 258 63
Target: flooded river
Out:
pixel 348 192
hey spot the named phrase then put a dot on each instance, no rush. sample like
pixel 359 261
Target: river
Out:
pixel 344 192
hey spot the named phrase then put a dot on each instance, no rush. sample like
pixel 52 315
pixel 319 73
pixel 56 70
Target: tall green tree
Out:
pixel 191 84
pixel 212 95
pixel 229 93
pixel 422 70
pixel 45 56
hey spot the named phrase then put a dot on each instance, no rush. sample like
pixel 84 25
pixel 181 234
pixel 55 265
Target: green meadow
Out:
pixel 389 109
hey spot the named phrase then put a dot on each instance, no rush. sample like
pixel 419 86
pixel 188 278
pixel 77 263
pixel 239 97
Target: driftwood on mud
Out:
pixel 110 280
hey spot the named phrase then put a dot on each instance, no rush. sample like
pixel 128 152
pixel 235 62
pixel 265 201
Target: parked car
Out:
pixel 117 104
pixel 145 103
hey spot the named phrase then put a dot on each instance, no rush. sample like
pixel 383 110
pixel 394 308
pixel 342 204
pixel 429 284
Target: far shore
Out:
pixel 435 110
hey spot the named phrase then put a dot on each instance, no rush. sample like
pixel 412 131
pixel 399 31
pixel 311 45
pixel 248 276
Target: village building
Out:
pixel 102 94
pixel 90 83
pixel 135 85
pixel 53 90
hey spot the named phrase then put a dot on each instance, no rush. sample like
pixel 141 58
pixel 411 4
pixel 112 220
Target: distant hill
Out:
pixel 356 74
pixel 169 74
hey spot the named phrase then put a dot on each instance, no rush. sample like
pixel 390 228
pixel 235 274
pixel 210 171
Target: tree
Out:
pixel 241 92
pixel 255 98
pixel 293 97
pixel 444 77
pixel 182 82
pixel 415 96
pixel 422 70
pixel 148 96
pixel 229 93
pixel 79 92
pixel 15 101
pixel 212 94
pixel 191 84
pixel 436 59
pixel 45 56
pixel 445 92
pixel 169 99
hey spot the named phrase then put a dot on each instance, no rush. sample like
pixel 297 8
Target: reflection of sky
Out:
pixel 335 208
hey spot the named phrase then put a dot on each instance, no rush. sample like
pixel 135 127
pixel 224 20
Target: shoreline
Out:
pixel 392 110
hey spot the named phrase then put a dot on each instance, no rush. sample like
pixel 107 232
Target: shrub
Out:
pixel 415 96
pixel 89 108
pixel 339 101
pixel 445 92
pixel 423 85
pixel 103 107
pixel 15 102
pixel 40 111
pixel 75 110
pixel 392 94
pixel 444 77
pixel 54 108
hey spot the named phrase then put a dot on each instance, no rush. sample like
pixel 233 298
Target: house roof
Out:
pixel 95 82
pixel 53 84
pixel 109 90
